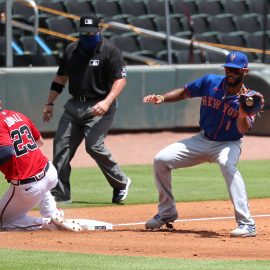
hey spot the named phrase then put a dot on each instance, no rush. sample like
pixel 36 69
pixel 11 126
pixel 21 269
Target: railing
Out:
pixel 9 34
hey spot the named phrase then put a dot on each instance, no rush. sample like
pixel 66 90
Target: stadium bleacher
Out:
pixel 238 23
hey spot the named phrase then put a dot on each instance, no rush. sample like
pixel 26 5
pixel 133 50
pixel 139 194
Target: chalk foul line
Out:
pixel 191 219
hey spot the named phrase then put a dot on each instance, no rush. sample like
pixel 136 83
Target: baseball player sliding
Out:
pixel 31 177
pixel 223 122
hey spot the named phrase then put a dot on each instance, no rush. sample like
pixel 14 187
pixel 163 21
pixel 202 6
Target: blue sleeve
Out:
pixel 197 87
pixel 6 152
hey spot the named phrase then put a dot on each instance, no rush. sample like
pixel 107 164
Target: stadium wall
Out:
pixel 26 90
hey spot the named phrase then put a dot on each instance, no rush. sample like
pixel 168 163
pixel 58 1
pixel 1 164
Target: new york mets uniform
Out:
pixel 219 141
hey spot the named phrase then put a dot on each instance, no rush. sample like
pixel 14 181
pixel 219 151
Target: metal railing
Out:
pixel 217 48
pixel 9 32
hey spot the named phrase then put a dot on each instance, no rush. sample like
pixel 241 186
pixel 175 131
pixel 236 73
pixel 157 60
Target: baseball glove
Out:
pixel 252 102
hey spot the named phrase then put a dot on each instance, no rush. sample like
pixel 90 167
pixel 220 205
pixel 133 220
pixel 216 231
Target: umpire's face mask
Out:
pixel 88 41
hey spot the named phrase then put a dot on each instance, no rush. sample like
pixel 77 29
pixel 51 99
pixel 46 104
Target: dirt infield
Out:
pixel 203 232
pixel 140 148
pixel 203 239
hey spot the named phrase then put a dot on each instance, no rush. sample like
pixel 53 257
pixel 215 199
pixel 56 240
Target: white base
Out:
pixel 92 225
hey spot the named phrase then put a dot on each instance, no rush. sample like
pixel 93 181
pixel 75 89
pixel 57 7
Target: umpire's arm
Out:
pixel 57 87
pixel 103 106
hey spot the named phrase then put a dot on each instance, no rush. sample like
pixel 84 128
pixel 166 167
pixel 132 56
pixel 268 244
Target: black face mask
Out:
pixel 89 42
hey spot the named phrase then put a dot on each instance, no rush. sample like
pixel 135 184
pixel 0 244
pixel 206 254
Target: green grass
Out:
pixel 30 260
pixel 89 189
pixel 199 183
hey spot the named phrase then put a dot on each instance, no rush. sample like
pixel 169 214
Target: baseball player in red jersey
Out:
pixel 31 177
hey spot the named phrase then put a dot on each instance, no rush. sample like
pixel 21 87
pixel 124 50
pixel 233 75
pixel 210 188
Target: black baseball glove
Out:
pixel 252 102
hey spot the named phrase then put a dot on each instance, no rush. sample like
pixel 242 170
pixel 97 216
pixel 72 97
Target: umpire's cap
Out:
pixel 236 59
pixel 89 23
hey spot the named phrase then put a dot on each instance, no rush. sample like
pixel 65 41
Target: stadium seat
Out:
pixel 79 8
pixel 233 39
pixel 145 22
pixel 133 8
pixel 175 24
pixel 256 40
pixel 61 25
pixel 210 7
pixel 257 6
pixel 115 31
pixel 236 7
pixel 180 46
pixel 186 7
pixel 58 6
pixel 155 7
pixel 214 57
pixel 126 42
pixel 191 57
pixel 267 22
pixel 196 23
pixel 20 59
pixel 38 56
pixel 249 22
pixel 223 23
pixel 151 44
pixel 210 37
pixel 21 11
pixel 106 8
pixel 163 56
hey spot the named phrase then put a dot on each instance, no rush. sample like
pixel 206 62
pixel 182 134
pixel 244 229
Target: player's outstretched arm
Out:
pixel 171 96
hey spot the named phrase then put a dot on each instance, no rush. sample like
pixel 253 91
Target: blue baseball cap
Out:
pixel 236 59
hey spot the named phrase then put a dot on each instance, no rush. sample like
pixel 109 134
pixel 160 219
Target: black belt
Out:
pixel 32 179
pixel 85 98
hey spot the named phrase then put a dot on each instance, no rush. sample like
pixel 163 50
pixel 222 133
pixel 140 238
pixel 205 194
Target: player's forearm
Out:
pixel 116 90
pixel 175 95
pixel 39 142
pixel 243 123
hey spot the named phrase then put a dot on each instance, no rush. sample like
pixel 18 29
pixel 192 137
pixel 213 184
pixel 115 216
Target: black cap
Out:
pixel 89 24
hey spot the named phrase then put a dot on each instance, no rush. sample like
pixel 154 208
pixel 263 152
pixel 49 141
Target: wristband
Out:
pixel 160 97
pixel 57 87
pixel 49 104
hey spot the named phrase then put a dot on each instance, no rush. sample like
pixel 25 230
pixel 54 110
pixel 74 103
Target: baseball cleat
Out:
pixel 244 230
pixel 65 225
pixel 157 222
pixel 169 226
pixel 119 195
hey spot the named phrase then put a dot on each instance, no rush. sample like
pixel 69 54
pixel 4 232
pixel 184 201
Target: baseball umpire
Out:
pixel 96 73
pixel 223 122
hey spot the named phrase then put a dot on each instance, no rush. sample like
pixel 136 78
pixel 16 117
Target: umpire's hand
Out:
pixel 47 113
pixel 100 108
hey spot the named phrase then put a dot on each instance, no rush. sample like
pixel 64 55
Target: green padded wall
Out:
pixel 26 90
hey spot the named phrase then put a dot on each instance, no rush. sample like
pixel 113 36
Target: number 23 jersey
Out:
pixel 18 131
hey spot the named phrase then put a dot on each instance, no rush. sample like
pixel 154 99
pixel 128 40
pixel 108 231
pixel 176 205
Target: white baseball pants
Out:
pixel 19 200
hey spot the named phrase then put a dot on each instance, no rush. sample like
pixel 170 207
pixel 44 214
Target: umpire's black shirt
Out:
pixel 91 74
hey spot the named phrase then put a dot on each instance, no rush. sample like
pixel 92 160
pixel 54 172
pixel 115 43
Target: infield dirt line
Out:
pixel 190 220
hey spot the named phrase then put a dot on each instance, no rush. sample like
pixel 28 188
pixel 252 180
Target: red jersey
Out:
pixel 18 131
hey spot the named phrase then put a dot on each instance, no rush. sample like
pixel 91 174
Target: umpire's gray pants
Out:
pixel 75 124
